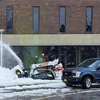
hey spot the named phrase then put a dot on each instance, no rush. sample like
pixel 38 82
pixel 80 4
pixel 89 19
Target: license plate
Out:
pixel 65 80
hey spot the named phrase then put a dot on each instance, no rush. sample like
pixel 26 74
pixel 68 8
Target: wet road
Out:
pixel 76 96
pixel 77 93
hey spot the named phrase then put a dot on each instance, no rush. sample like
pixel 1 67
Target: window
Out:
pixel 62 19
pixel 36 19
pixel 88 52
pixel 9 23
pixel 88 19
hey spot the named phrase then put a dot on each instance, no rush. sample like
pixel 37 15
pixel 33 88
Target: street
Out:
pixel 78 93
pixel 76 96
pixel 48 93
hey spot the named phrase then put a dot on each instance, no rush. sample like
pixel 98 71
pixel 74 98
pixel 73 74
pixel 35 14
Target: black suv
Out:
pixel 85 73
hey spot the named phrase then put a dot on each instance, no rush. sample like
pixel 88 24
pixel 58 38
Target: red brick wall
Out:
pixel 49 15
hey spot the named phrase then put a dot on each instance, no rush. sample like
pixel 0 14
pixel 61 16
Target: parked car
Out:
pixel 85 73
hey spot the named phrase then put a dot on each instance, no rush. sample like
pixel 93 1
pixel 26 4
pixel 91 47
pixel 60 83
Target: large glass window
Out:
pixel 88 19
pixel 66 54
pixel 88 52
pixel 62 19
pixel 9 23
pixel 36 19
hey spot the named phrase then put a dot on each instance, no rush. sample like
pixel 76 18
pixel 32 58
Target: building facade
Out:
pixel 67 29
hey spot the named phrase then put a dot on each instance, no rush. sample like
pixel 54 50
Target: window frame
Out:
pixel 38 19
pixel 64 19
pixel 7 20
pixel 91 19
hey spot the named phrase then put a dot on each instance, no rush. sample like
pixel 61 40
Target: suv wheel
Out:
pixel 86 82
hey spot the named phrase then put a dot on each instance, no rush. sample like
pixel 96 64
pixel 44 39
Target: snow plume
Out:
pixel 9 58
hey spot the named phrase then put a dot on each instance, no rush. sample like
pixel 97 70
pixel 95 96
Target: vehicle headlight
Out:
pixel 76 74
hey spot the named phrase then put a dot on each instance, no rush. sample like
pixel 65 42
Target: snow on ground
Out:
pixel 34 93
pixel 9 78
pixel 11 85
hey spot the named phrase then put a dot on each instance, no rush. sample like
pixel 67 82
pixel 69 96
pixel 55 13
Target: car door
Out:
pixel 97 74
pixel 96 70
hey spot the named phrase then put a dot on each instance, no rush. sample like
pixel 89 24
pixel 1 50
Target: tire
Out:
pixel 86 82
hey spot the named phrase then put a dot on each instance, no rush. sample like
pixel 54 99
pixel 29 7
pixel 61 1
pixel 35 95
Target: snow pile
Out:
pixel 6 74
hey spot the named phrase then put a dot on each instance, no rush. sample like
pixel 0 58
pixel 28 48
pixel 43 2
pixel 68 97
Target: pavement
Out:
pixel 73 93
pixel 93 95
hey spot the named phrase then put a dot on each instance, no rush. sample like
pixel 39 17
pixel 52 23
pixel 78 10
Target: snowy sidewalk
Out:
pixel 27 81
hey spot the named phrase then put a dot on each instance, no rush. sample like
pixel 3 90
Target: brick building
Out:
pixel 67 29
